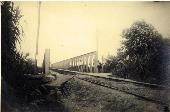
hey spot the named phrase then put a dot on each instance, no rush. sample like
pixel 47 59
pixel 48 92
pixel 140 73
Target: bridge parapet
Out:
pixel 83 63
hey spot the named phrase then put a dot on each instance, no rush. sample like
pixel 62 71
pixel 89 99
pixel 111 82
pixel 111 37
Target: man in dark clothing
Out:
pixel 99 67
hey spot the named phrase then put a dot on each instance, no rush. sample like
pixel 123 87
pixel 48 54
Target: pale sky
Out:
pixel 71 28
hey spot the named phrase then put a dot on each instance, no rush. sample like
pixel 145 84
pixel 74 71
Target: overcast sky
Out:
pixel 71 28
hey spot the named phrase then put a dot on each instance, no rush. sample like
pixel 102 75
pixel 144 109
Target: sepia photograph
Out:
pixel 85 56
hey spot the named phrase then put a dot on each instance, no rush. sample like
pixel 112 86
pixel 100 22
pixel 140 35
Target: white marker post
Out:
pixel 47 61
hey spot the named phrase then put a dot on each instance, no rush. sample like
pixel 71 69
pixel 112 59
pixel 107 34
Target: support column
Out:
pixel 96 61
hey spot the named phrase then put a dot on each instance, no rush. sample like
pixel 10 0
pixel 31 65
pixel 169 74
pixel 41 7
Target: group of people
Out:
pixel 84 68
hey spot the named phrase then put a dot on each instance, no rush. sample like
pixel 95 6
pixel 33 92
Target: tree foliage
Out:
pixel 14 63
pixel 143 45
pixel 110 63
pixel 142 54
pixel 19 86
pixel 10 36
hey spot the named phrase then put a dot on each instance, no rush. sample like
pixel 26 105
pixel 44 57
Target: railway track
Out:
pixel 164 105
pixel 113 79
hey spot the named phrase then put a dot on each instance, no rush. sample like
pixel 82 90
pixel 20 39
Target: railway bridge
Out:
pixel 84 63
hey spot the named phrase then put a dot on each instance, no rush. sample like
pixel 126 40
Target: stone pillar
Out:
pixel 96 62
pixel 90 63
pixel 81 64
pixel 47 61
pixel 86 63
pixel 78 64
pixel 93 63
pixel 73 64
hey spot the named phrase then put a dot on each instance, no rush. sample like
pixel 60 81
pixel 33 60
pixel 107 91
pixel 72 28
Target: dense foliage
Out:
pixel 14 64
pixel 110 64
pixel 22 90
pixel 142 55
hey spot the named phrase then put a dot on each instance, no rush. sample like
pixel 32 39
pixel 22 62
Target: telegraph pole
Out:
pixel 96 63
pixel 37 39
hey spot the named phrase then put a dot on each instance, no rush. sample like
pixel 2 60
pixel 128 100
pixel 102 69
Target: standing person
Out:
pixel 99 66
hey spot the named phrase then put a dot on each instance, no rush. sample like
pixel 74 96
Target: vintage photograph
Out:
pixel 85 56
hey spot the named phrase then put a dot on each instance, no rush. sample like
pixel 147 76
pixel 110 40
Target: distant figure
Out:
pixel 99 67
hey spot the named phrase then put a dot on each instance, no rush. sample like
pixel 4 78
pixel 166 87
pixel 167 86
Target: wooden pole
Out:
pixel 37 39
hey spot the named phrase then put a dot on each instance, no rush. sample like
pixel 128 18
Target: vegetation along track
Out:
pixel 103 84
pixel 165 106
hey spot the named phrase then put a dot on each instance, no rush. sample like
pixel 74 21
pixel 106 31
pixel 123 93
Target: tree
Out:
pixel 9 38
pixel 19 86
pixel 110 63
pixel 14 63
pixel 142 52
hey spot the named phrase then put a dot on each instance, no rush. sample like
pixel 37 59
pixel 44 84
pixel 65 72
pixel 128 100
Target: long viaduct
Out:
pixel 83 63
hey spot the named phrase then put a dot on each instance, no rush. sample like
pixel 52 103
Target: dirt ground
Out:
pixel 79 96
pixel 86 97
